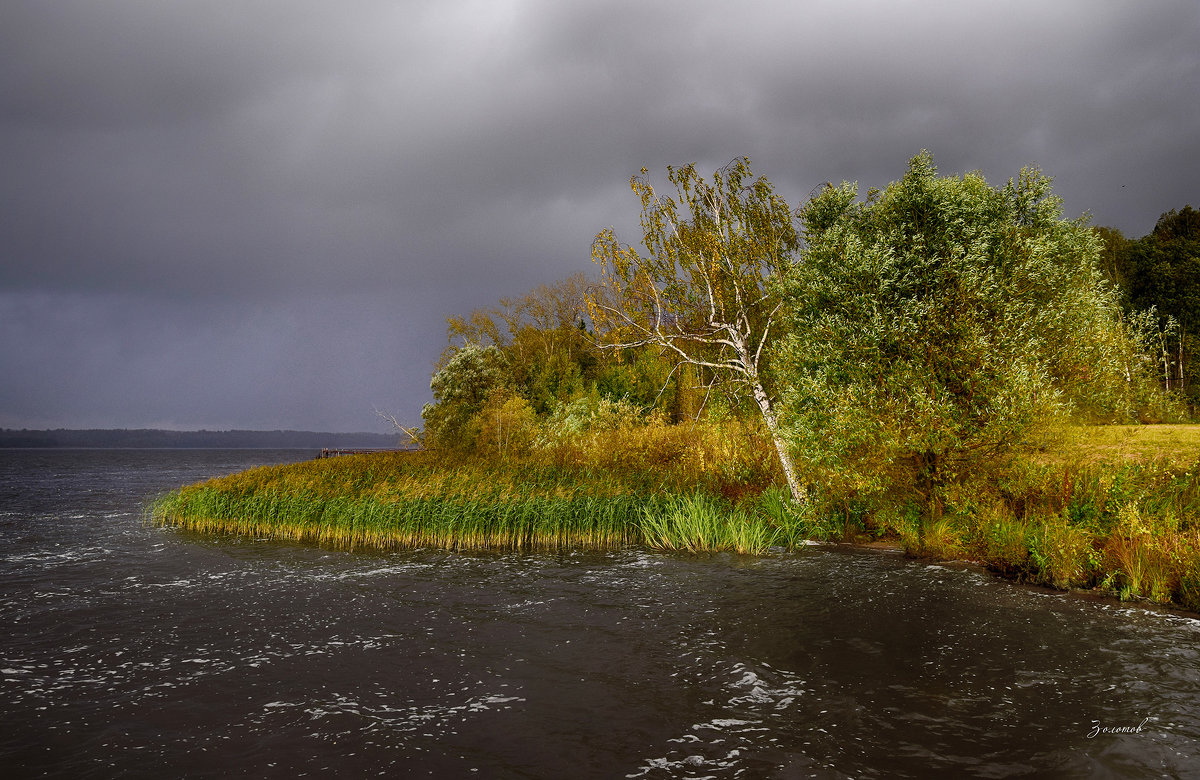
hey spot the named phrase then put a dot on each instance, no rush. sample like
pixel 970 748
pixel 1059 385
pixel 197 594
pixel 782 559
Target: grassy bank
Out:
pixel 563 498
pixel 1112 508
pixel 1132 528
pixel 411 500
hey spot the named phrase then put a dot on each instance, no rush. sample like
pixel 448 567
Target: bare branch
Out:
pixel 413 434
pixel 766 330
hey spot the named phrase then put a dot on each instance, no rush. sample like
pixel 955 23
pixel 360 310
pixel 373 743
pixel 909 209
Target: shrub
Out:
pixel 590 413
pixel 943 539
pixel 1189 570
pixel 1062 555
pixel 1002 539
pixel 1142 553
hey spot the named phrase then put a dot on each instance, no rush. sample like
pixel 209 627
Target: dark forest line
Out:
pixel 149 438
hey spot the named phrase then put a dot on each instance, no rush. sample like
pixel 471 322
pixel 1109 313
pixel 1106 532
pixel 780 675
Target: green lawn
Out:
pixel 1176 444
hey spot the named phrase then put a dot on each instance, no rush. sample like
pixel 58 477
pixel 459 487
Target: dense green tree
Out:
pixel 552 355
pixel 1178 225
pixel 460 388
pixel 1114 259
pixel 528 357
pixel 702 292
pixel 1164 273
pixel 552 379
pixel 942 318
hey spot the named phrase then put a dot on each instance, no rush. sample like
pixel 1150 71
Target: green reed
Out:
pixel 413 501
pixel 450 522
pixel 702 523
pixel 408 500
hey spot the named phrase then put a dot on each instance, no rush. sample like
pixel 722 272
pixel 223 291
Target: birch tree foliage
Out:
pixel 710 248
pixel 702 291
pixel 942 318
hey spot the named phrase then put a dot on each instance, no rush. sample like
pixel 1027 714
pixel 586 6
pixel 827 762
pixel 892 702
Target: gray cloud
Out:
pixel 178 173
pixel 117 360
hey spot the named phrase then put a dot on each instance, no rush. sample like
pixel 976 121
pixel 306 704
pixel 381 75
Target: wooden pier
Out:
pixel 331 452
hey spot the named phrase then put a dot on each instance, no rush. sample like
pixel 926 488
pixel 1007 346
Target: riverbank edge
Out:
pixel 633 537
pixel 1129 529
pixel 630 539
pixel 895 547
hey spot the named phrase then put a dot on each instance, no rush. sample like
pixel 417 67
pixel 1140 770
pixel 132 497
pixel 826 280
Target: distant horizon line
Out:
pixel 160 438
pixel 191 430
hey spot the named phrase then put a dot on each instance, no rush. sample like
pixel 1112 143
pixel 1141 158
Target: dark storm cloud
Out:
pixel 185 172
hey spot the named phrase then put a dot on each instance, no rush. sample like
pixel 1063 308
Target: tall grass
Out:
pixel 407 500
pixel 1118 520
pixel 701 523
pixel 455 523
pixel 570 497
pixel 1087 515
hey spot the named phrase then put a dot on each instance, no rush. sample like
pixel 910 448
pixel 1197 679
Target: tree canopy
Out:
pixel 940 318
pixel 460 388
pixel 907 334
pixel 1163 272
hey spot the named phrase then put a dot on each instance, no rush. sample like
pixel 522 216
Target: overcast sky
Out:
pixel 258 213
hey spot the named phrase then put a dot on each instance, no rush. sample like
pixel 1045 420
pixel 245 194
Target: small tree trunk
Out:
pixel 929 475
pixel 1166 366
pixel 799 495
pixel 1180 363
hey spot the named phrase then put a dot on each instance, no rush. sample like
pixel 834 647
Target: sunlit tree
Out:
pixel 941 319
pixel 702 290
pixel 1164 273
pixel 460 389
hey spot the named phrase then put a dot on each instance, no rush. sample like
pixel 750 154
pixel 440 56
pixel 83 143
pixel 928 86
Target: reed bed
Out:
pixel 1103 516
pixel 410 500
pixel 701 523
pixel 603 490
pixel 452 522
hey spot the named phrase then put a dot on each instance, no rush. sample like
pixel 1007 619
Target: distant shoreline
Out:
pixel 153 438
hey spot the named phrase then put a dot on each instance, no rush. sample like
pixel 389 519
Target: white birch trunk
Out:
pixel 799 495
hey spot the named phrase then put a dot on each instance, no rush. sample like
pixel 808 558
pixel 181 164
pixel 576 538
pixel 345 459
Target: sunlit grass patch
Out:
pixel 454 523
pixel 1178 445
pixel 592 491
pixel 700 524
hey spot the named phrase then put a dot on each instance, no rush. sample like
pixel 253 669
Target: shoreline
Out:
pixel 1090 594
pixel 1127 530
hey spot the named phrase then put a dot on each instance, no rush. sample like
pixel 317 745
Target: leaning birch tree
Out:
pixel 703 290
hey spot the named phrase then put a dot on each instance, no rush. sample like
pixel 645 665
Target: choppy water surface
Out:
pixel 142 652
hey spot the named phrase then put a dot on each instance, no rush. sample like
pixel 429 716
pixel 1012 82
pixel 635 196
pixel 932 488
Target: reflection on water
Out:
pixel 148 652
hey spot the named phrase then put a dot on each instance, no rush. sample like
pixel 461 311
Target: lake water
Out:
pixel 133 651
